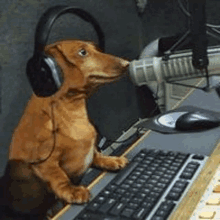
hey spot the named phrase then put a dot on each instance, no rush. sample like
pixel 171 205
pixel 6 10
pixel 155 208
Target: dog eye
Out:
pixel 83 52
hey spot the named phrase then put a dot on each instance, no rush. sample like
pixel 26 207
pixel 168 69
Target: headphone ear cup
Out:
pixel 44 78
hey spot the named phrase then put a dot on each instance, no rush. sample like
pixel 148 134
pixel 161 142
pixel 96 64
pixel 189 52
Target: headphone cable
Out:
pixel 54 130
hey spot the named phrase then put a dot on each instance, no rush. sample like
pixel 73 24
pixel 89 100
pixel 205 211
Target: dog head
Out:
pixel 84 66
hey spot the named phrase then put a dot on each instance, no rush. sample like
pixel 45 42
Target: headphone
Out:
pixel 42 71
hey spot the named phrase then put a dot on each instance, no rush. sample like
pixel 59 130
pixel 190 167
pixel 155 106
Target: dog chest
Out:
pixel 89 158
pixel 77 131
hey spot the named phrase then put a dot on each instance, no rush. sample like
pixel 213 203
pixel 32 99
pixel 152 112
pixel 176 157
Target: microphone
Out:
pixel 156 71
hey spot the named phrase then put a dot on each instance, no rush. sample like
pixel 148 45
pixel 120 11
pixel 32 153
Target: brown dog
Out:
pixel 54 136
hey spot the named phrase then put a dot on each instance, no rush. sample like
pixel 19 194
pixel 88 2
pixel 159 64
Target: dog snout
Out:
pixel 125 63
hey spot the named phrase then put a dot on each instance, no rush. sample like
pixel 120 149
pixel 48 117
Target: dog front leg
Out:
pixel 60 184
pixel 109 162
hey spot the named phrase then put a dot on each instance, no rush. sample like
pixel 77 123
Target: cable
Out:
pixel 54 136
pixel 188 14
pixel 124 141
pixel 183 8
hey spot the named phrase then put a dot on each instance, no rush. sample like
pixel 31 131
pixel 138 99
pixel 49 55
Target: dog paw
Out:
pixel 76 194
pixel 113 163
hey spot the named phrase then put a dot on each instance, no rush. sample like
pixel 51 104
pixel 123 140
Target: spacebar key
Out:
pixel 124 173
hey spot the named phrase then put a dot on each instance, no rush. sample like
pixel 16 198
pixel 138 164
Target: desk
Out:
pixel 206 142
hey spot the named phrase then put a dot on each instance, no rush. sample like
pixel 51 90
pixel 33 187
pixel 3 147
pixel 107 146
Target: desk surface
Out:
pixel 205 142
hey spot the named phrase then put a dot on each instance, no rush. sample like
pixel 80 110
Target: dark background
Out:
pixel 113 108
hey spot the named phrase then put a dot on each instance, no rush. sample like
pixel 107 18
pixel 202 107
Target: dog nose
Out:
pixel 125 63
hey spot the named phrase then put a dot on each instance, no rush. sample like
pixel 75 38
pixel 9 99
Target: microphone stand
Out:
pixel 196 39
pixel 196 36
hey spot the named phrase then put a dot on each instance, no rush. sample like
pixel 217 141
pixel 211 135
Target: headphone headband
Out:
pixel 41 70
pixel 49 17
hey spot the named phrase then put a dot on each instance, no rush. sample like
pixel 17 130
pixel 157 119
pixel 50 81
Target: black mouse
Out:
pixel 192 121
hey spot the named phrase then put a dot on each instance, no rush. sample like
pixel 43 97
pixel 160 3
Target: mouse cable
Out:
pixel 188 14
pixel 104 143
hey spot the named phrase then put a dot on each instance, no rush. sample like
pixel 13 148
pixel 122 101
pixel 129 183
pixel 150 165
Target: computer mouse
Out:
pixel 192 121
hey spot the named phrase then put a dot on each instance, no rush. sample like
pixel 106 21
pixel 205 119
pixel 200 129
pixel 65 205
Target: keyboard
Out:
pixel 150 187
pixel 209 205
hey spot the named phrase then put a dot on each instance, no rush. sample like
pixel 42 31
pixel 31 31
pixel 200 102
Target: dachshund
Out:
pixel 55 141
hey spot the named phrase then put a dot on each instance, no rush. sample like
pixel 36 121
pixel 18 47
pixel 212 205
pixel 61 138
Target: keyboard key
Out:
pixel 152 181
pixel 152 169
pixel 147 172
pixel 171 172
pixel 116 196
pixel 165 209
pixel 127 212
pixel 173 196
pixel 161 213
pixel 174 168
pixel 132 205
pixel 162 169
pixel 134 190
pixel 85 216
pixel 137 200
pixel 144 165
pixel 141 195
pixel 167 205
pixel 159 173
pixel 198 157
pixel 177 189
pixel 150 200
pixel 161 185
pixel 149 186
pixel 186 175
pixel 107 205
pixel 125 200
pixel 100 199
pixel 106 193
pixel 125 186
pixel 176 164
pixel 139 169
pixel 145 177
pixel 117 208
pixel 129 181
pixel 195 164
pixel 124 173
pixel 141 181
pixel 164 180
pixel 189 170
pixel 146 190
pixel 120 191
pixel 154 195
pixel 137 185
pixel 158 190
pixel 178 160
pixel 181 184
pixel 141 213
pixel 168 176
pixel 93 206
pixel 111 187
pixel 156 177
pixel 149 158
pixel 136 173
pixel 133 177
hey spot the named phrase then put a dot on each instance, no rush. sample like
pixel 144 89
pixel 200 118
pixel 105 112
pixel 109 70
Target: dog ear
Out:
pixel 59 52
pixel 73 77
